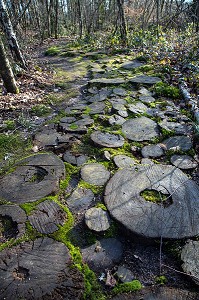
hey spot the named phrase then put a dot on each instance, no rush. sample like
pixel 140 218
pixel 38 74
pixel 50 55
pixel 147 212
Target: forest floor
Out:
pixel 83 108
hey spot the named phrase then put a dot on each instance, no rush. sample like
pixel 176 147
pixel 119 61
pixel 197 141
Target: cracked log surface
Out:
pixel 34 178
pixel 126 205
pixel 39 270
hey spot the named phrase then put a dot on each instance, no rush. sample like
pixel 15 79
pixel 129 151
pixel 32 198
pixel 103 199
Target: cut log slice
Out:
pixel 107 81
pixel 95 174
pixel 97 219
pixel 190 257
pixel 80 199
pixel 144 79
pixel 131 65
pixel 184 162
pixel 140 129
pixel 152 151
pixel 47 216
pixel 103 254
pixel 107 139
pixel 12 222
pixel 34 178
pixel 178 143
pixel 39 270
pixel 123 161
pixel 177 217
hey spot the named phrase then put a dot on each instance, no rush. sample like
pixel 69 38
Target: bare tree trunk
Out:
pixel 79 18
pixel 122 22
pixel 56 18
pixel 6 71
pixel 12 40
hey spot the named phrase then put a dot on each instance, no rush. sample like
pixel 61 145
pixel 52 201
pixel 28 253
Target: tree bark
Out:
pixel 8 28
pixel 6 71
pixel 122 22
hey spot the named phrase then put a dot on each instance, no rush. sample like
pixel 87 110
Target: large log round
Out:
pixel 176 220
pixel 34 178
pixel 40 269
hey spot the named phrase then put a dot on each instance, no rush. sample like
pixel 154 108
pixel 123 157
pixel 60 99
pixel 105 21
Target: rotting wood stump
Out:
pixel 35 177
pixel 39 269
pixel 175 218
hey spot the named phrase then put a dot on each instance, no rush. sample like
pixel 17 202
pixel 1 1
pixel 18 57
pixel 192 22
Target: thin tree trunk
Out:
pixel 56 18
pixel 6 71
pixel 12 40
pixel 122 22
pixel 79 18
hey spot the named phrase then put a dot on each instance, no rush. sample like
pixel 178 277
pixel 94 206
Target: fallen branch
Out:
pixel 189 100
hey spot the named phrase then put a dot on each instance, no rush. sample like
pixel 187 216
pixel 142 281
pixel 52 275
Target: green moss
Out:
pixel 13 144
pixel 163 89
pixel 70 170
pixel 146 68
pixel 92 288
pixel 112 231
pixel 101 205
pixel 129 99
pixel 52 51
pixel 94 188
pixel 10 124
pixel 31 233
pixel 132 286
pixel 40 110
pixel 87 111
pixel 30 206
pixel 7 244
pixel 73 126
pixel 167 133
pixel 161 279
pixel 153 196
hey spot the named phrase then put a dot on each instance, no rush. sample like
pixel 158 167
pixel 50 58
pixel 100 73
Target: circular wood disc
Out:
pixel 39 269
pixel 34 178
pixel 107 139
pixel 176 220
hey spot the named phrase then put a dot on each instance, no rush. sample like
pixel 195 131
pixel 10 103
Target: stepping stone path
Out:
pixel 126 205
pixel 97 219
pixel 103 254
pixel 39 269
pixel 47 216
pixel 44 269
pixel 140 129
pixel 35 177
pixel 95 174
